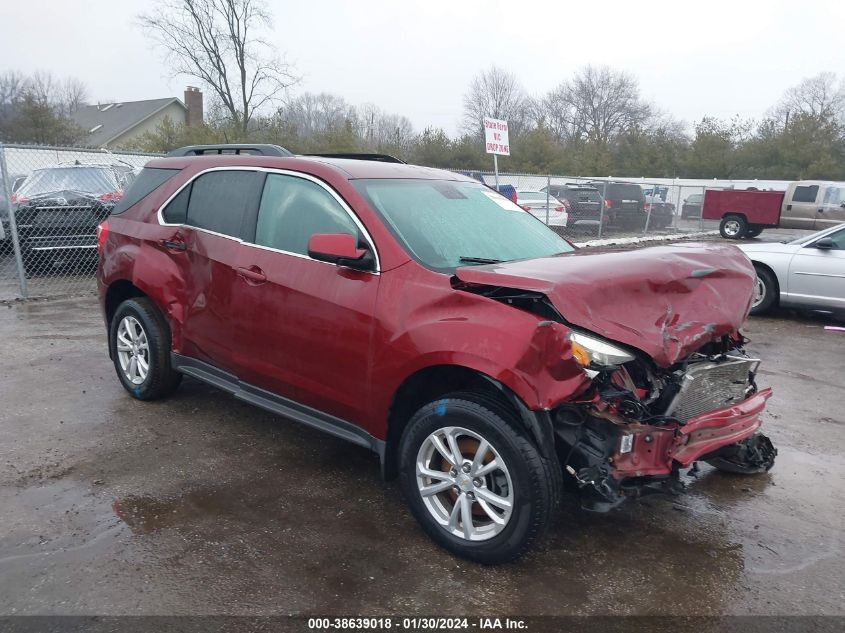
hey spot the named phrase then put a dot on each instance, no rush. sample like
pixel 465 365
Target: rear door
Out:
pixel 205 244
pixel 304 327
pixel 832 209
pixel 801 205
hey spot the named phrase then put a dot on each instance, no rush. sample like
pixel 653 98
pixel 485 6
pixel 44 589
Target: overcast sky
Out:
pixel 417 57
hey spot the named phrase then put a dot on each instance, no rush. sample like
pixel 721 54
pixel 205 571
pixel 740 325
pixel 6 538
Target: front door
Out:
pixel 801 207
pixel 304 327
pixel 817 276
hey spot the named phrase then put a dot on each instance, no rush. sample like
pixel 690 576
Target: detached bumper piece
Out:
pixel 613 458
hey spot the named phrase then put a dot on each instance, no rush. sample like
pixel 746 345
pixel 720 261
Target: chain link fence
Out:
pixel 51 201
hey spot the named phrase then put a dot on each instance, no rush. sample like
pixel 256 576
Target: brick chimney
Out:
pixel 193 101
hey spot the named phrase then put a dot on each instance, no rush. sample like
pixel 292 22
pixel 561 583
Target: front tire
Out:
pixel 139 340
pixel 477 486
pixel 765 291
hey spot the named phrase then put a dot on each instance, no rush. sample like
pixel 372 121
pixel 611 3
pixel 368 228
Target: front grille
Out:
pixel 707 386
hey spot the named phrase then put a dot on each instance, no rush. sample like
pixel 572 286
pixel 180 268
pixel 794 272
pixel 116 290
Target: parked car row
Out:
pixel 57 210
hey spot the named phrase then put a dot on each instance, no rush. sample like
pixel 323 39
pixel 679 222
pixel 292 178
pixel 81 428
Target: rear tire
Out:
pixel 530 482
pixel 139 342
pixel 766 291
pixel 733 227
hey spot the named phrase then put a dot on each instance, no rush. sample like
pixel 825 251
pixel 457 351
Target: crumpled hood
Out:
pixel 667 301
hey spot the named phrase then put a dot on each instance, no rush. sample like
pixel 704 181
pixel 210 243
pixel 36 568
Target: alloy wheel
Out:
pixel 759 292
pixel 464 483
pixel 133 350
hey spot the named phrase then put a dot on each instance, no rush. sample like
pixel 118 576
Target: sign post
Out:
pixel 496 142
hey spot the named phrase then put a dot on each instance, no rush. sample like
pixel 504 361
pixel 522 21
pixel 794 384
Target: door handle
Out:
pixel 253 274
pixel 789 207
pixel 174 245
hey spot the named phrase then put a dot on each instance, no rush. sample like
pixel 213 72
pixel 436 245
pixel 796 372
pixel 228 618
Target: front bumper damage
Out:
pixel 613 456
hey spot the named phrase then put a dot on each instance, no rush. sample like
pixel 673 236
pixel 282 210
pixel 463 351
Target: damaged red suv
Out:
pixel 418 313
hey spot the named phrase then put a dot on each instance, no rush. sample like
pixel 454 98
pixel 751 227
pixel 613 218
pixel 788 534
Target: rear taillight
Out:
pixel 607 204
pixel 526 207
pixel 16 199
pixel 111 196
pixel 559 209
pixel 102 234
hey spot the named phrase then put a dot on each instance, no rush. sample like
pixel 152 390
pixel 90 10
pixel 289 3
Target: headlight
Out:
pixel 594 353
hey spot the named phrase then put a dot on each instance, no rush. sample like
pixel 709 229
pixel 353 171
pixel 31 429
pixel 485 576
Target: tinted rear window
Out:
pixel 624 192
pixel 147 181
pixel 219 198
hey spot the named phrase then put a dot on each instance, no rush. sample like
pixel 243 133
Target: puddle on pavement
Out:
pixel 146 515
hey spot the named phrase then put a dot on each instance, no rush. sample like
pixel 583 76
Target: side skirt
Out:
pixel 277 404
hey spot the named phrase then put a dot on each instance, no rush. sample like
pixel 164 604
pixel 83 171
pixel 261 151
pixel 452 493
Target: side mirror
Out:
pixel 341 249
pixel 825 243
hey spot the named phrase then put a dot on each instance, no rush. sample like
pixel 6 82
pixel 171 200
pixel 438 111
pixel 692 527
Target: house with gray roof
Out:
pixel 116 125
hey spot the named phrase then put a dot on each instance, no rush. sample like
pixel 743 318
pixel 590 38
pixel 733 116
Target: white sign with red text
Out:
pixel 496 137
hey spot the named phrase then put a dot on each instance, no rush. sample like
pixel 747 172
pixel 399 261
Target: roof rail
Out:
pixel 259 149
pixel 382 158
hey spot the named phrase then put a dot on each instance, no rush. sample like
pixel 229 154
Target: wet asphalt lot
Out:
pixel 201 504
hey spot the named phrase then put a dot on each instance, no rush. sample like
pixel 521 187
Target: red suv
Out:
pixel 420 314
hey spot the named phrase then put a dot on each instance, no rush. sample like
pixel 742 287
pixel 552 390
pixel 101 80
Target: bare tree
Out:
pixel 596 105
pixel 498 94
pixel 380 129
pixel 64 96
pixel 13 85
pixel 219 42
pixel 310 114
pixel 821 97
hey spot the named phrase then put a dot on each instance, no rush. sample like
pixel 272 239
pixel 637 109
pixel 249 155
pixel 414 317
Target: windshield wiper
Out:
pixel 479 260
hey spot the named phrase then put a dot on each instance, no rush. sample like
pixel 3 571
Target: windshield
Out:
pixel 95 180
pixel 446 224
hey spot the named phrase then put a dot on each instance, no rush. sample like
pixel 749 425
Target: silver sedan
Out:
pixel 808 272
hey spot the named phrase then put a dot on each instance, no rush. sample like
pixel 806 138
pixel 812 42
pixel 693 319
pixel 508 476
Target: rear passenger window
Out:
pixel 805 193
pixel 176 212
pixel 218 200
pixel 293 209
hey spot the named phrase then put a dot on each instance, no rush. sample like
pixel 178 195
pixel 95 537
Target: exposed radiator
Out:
pixel 712 385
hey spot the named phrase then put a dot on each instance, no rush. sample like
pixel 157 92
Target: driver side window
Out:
pixel 293 209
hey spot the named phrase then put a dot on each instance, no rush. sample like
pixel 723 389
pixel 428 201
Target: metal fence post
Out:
pixel 650 206
pixel 601 210
pixel 13 226
pixel 701 211
pixel 548 186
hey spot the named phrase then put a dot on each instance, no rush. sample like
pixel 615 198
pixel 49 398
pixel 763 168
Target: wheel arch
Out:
pixel 758 264
pixel 435 381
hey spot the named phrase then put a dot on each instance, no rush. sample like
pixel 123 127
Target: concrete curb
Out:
pixel 620 241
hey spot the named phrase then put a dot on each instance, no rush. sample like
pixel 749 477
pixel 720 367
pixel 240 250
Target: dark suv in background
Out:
pixel 582 202
pixel 57 210
pixel 624 203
